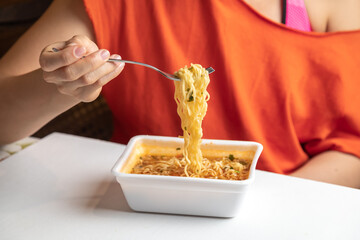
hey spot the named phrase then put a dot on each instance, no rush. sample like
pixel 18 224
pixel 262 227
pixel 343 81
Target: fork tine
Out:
pixel 210 70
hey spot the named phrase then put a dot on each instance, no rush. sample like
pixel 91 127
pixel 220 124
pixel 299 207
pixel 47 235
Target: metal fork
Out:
pixel 167 75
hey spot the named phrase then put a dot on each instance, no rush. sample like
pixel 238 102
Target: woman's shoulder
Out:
pixel 334 15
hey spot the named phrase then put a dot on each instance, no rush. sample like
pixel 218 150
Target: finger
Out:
pixel 61 54
pixel 77 40
pixel 88 93
pixel 52 60
pixel 82 40
pixel 76 70
pixel 93 76
pixel 110 76
pixel 55 47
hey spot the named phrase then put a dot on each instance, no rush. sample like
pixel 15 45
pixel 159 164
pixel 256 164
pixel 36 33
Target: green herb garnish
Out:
pixel 243 163
pixel 191 98
pixel 231 157
pixel 178 148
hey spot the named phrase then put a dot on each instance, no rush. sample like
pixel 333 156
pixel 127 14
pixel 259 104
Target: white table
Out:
pixel 61 188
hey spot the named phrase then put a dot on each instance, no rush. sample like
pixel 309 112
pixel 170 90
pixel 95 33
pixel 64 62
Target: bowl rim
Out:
pixel 121 161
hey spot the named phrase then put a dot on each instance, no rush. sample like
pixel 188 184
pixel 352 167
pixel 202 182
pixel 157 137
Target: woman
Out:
pixel 291 90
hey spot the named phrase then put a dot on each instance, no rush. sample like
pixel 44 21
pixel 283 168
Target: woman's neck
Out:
pixel 271 9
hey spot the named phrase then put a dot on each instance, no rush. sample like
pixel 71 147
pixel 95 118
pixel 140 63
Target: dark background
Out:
pixel 86 119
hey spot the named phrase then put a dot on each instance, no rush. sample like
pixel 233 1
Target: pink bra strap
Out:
pixel 296 15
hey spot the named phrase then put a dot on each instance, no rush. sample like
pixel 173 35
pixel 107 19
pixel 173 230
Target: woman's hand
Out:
pixel 78 68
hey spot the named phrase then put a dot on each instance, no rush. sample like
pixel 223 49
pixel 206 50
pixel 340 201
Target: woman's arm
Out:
pixel 332 167
pixel 27 102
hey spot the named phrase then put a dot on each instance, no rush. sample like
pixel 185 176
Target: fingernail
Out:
pixel 115 56
pixel 104 54
pixel 79 51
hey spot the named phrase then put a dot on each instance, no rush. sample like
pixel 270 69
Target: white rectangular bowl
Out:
pixel 184 195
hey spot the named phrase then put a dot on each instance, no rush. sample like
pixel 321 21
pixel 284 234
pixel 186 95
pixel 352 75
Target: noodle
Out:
pixel 191 97
pixel 216 168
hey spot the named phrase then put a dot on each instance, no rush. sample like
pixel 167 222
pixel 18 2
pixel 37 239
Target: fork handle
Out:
pixel 132 62
pixel 167 75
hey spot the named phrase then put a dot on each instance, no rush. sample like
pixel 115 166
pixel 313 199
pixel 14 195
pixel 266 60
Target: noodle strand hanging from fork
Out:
pixel 191 97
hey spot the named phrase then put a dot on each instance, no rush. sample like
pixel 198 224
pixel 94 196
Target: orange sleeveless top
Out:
pixel 297 93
